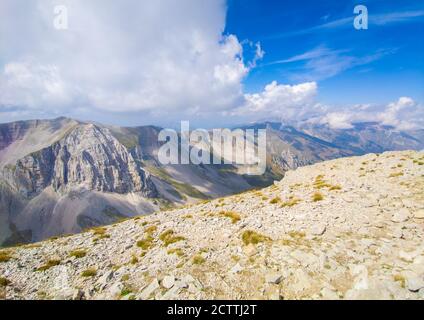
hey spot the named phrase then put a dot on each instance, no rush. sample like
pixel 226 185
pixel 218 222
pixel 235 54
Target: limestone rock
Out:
pixel 401 215
pixel 274 278
pixel 149 290
pixel 419 214
pixel 415 283
pixel 318 230
pixel 236 269
pixel 168 282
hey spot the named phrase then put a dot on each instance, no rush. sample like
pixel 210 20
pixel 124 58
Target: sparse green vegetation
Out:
pixel 145 243
pixel 317 197
pixel 401 279
pixel 32 246
pixel 128 139
pixel 89 273
pixel 98 231
pixel 42 295
pixel 100 237
pixel 150 230
pixel 166 234
pixel 396 174
pixel 4 282
pixel 296 238
pixel 126 291
pixel 320 183
pixel 235 217
pixel 275 200
pixel 168 238
pixel 336 187
pixel 252 237
pixel 48 265
pixel 198 259
pixel 78 254
pixel 178 251
pixel 297 234
pixel 295 186
pixel 134 260
pixel 291 202
pixel 5 256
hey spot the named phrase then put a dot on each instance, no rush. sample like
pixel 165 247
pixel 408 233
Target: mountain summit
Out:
pixel 349 228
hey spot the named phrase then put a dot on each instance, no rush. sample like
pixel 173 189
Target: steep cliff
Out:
pixel 88 157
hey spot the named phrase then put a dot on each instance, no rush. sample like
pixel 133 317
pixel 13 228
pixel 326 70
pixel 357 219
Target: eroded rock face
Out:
pixel 89 157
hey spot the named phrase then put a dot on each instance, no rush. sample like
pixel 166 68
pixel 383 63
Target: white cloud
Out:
pixel 386 18
pixel 320 51
pixel 121 56
pixel 31 86
pixel 380 19
pixel 321 63
pixel 281 101
pixel 158 60
pixel 404 114
pixel 337 120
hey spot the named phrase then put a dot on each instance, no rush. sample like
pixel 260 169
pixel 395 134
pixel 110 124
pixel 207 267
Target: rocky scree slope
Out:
pixel 349 228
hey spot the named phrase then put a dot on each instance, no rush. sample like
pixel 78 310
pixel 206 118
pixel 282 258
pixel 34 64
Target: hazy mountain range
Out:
pixel 61 176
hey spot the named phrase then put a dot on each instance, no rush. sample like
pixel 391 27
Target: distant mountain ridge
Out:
pixel 62 175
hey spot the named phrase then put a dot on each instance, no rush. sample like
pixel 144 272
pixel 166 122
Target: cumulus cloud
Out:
pixel 403 114
pixel 150 58
pixel 337 120
pixel 281 101
pixel 159 60
pixel 120 56
pixel 27 85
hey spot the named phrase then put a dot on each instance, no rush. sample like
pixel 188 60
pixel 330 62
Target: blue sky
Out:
pixel 382 63
pixel 213 62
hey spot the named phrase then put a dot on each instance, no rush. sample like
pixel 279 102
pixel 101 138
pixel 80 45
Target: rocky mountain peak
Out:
pixel 88 157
